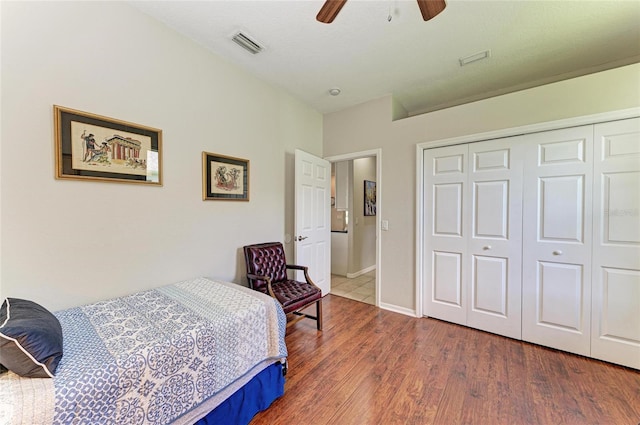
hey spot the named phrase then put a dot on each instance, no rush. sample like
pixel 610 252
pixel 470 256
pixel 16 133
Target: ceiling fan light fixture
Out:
pixel 329 11
pixel 246 43
pixel 475 57
pixel 431 8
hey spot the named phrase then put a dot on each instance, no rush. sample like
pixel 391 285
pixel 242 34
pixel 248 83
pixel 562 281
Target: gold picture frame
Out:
pixel 224 178
pixel 97 148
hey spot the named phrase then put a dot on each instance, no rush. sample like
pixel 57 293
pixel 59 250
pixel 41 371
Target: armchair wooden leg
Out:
pixel 319 314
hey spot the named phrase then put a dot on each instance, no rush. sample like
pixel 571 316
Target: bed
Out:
pixel 199 351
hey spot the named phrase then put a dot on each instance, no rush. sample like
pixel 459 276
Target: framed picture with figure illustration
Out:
pixel 224 178
pixel 97 148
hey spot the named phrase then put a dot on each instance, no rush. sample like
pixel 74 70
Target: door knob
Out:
pixel 558 252
pixel 486 247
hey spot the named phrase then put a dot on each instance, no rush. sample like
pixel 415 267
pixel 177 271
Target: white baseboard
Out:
pixel 361 272
pixel 398 309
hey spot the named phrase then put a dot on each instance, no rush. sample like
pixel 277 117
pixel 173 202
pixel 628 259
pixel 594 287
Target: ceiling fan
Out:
pixel 331 8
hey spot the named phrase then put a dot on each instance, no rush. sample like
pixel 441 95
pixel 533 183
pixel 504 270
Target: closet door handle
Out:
pixel 558 252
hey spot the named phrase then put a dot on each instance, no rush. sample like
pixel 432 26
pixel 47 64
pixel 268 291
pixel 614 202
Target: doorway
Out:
pixel 355 236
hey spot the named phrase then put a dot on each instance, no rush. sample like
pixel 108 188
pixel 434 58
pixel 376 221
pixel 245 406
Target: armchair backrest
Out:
pixel 265 259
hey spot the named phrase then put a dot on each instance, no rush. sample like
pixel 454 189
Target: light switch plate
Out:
pixel 385 224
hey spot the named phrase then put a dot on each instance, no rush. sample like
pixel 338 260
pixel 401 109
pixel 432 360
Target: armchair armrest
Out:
pixel 296 267
pixel 305 269
pixel 265 278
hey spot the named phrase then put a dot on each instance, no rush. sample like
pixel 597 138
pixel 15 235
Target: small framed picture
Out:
pixel 97 148
pixel 224 178
pixel 369 198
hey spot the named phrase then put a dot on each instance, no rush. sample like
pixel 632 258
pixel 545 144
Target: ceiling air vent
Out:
pixel 247 43
pixel 474 58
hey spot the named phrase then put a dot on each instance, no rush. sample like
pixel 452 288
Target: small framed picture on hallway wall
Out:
pixel 369 198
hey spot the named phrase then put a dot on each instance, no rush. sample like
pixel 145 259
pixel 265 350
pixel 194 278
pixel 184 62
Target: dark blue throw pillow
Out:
pixel 30 339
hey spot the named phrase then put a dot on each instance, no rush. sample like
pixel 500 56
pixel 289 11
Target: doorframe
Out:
pixel 377 154
pixel 479 137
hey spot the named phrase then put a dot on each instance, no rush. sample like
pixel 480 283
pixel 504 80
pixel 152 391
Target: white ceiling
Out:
pixel 367 56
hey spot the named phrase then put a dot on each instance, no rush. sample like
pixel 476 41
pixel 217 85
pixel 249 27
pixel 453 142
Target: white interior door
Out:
pixel 615 327
pixel 313 217
pixel 557 245
pixel 493 266
pixel 473 235
pixel 445 230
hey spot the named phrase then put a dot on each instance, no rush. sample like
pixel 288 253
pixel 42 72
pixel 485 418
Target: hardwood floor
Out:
pixel 371 366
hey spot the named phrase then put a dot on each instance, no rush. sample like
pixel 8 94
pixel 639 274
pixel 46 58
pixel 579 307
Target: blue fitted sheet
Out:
pixel 254 397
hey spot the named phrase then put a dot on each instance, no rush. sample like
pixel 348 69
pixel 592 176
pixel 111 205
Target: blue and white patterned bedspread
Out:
pixel 150 357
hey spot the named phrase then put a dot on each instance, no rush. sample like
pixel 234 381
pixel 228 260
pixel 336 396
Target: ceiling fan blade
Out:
pixel 330 10
pixel 431 8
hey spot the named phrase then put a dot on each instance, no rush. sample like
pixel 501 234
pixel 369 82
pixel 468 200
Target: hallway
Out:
pixel 361 288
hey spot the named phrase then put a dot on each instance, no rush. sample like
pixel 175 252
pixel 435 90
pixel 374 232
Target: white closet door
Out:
pixel 616 243
pixel 557 239
pixel 493 266
pixel 445 229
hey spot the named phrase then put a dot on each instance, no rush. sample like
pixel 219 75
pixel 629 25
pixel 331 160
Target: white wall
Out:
pixel 370 126
pixel 339 253
pixel 363 243
pixel 66 243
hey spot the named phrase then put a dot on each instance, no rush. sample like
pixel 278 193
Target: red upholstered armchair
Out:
pixel 267 273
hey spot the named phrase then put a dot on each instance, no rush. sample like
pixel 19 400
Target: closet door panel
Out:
pixel 495 242
pixel 620 205
pixel 557 243
pixel 560 289
pixel 447 209
pixel 492 209
pixel 490 280
pixel 445 233
pixel 616 251
pixel 447 278
pixel 561 208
